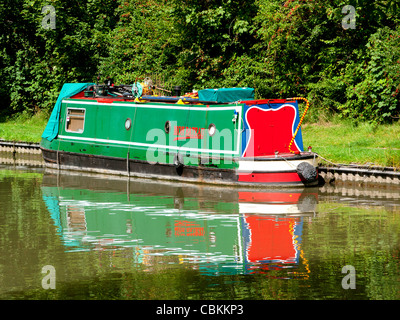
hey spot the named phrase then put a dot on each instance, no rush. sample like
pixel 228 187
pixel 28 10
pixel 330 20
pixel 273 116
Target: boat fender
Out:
pixel 178 160
pixel 306 171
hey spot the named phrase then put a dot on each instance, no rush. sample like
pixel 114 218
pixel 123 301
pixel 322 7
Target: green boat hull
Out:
pixel 176 141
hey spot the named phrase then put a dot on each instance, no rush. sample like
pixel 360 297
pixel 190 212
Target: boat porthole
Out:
pixel 128 123
pixel 166 127
pixel 211 129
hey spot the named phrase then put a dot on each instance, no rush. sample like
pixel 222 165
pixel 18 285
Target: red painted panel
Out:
pixel 271 197
pixel 270 177
pixel 79 95
pixel 271 130
pixel 270 239
pixel 266 101
pixel 105 100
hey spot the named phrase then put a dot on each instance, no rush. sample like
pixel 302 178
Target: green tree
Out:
pixel 374 79
pixel 142 43
pixel 308 52
pixel 281 48
pixel 211 36
pixel 35 62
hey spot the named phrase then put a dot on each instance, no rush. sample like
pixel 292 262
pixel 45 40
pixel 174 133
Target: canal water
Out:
pixel 76 236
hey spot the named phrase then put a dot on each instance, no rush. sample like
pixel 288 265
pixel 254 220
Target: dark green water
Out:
pixel 117 239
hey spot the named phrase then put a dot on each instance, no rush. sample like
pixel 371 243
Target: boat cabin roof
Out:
pixel 169 99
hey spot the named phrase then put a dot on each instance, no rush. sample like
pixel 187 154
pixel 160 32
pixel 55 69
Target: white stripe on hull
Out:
pixel 261 208
pixel 280 165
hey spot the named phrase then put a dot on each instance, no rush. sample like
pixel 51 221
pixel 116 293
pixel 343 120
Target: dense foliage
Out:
pixel 281 48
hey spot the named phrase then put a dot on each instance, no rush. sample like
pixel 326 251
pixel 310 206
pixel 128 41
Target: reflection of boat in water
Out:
pixel 218 229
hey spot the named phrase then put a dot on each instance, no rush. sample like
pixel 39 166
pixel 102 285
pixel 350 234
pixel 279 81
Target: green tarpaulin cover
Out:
pixel 226 94
pixel 68 90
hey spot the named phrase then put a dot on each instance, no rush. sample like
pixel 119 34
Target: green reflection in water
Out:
pixel 109 239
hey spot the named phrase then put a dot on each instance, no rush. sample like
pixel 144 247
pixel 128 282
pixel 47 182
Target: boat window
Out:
pixel 75 120
pixel 128 123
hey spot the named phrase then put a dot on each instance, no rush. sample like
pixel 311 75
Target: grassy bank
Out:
pixel 344 142
pixel 23 127
pixel 338 141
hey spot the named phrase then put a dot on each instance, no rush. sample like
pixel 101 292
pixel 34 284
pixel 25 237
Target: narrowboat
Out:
pixel 216 136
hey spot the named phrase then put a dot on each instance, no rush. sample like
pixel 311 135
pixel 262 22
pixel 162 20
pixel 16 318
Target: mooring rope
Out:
pixel 335 164
pixel 319 156
pixel 342 165
pixel 301 120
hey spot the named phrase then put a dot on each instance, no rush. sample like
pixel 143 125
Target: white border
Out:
pixel 279 164
pixel 84 119
pixel 266 110
pixel 265 208
pixel 169 106
pixel 140 144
